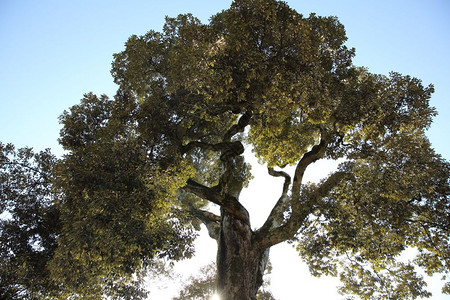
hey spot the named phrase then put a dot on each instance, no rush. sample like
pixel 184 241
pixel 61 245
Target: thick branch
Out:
pixel 207 193
pixel 224 147
pixel 316 153
pixel 234 207
pixel 216 196
pixel 299 209
pixel 211 221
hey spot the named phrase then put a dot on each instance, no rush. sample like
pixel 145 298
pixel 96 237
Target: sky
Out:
pixel 52 52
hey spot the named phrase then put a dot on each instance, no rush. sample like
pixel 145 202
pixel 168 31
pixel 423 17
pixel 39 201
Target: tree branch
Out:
pixel 299 209
pixel 287 179
pixel 207 193
pixel 226 193
pixel 226 146
pixel 228 149
pixel 310 157
pixel 276 216
pixel 244 120
pixel 215 195
pixel 211 221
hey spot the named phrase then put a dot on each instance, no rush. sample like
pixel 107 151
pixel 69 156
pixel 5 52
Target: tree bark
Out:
pixel 240 262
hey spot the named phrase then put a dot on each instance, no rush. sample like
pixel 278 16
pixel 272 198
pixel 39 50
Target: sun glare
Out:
pixel 215 297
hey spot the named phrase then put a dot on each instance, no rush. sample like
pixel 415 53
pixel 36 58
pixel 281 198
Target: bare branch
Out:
pixel 287 179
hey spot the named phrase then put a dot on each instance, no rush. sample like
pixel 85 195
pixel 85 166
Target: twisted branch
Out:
pixel 276 216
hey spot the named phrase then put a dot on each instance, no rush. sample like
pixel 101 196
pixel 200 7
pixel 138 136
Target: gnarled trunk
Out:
pixel 240 262
pixel 241 257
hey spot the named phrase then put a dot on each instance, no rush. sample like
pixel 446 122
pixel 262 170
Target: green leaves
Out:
pixel 84 122
pixel 395 198
pixel 117 208
pixel 258 56
pixel 376 280
pixel 189 98
pixel 29 223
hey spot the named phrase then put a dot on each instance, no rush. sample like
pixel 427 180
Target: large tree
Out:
pixel 141 170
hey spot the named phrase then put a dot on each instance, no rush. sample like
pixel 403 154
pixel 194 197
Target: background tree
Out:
pixel 29 223
pixel 142 167
pixel 50 249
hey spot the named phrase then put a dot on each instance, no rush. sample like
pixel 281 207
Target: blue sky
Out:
pixel 51 52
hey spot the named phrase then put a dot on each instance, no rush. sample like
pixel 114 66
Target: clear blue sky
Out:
pixel 51 52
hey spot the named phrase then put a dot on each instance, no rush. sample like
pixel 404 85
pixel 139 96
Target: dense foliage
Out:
pixel 141 169
pixel 65 232
pixel 29 224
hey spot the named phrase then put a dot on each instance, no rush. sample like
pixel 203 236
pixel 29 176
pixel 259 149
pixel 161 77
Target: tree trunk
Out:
pixel 240 263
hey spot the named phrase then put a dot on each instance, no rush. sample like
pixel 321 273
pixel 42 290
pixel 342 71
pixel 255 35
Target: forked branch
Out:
pixel 269 234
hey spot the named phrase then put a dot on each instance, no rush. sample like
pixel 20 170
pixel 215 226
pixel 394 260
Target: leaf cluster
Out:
pixel 396 200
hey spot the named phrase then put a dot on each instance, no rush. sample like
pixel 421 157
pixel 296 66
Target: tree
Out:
pixel 141 169
pixel 29 223
pixel 54 245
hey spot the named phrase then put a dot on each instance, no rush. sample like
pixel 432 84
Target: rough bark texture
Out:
pixel 240 262
pixel 240 259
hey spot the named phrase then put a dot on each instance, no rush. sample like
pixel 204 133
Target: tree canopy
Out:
pixel 141 169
